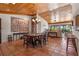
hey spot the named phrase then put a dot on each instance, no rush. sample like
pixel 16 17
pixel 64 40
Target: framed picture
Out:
pixel 19 25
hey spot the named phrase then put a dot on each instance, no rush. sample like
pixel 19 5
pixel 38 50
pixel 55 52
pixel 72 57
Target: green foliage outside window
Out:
pixel 63 29
pixel 53 28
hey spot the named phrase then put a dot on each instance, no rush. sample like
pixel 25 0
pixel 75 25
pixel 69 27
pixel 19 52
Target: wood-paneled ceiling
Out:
pixel 23 8
pixel 18 8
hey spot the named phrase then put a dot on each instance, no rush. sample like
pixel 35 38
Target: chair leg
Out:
pixel 24 43
pixel 38 43
pixel 33 44
pixel 41 44
pixel 27 44
pixel 44 41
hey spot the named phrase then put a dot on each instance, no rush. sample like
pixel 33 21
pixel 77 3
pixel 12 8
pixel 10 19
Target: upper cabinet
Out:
pixel 77 22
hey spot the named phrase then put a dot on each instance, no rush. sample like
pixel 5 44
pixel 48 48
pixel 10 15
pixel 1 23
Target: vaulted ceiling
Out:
pixel 47 15
pixel 31 9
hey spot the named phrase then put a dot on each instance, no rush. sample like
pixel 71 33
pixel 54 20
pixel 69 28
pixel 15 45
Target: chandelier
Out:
pixel 36 19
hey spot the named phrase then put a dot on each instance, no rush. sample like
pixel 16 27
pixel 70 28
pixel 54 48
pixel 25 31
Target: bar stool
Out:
pixel 71 38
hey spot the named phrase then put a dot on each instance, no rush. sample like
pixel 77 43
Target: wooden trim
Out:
pixel 6 12
pixel 77 20
pixel 61 22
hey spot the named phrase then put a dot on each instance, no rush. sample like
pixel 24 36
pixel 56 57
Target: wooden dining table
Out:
pixel 34 34
pixel 33 37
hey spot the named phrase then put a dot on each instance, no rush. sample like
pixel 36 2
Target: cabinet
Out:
pixel 77 22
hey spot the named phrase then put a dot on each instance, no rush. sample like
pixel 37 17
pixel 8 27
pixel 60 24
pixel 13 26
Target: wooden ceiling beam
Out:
pixel 5 12
pixel 70 21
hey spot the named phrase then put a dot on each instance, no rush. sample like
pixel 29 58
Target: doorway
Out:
pixel 0 30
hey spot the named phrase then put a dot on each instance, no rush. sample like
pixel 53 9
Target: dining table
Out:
pixel 33 37
pixel 34 34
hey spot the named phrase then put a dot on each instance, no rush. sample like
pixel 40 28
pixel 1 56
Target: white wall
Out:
pixel 44 24
pixel 75 11
pixel 52 6
pixel 6 24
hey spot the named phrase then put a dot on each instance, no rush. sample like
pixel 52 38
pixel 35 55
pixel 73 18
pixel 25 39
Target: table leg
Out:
pixel 67 47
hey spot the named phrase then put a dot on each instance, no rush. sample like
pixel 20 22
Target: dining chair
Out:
pixel 10 38
pixel 38 41
pixel 45 38
pixel 27 40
